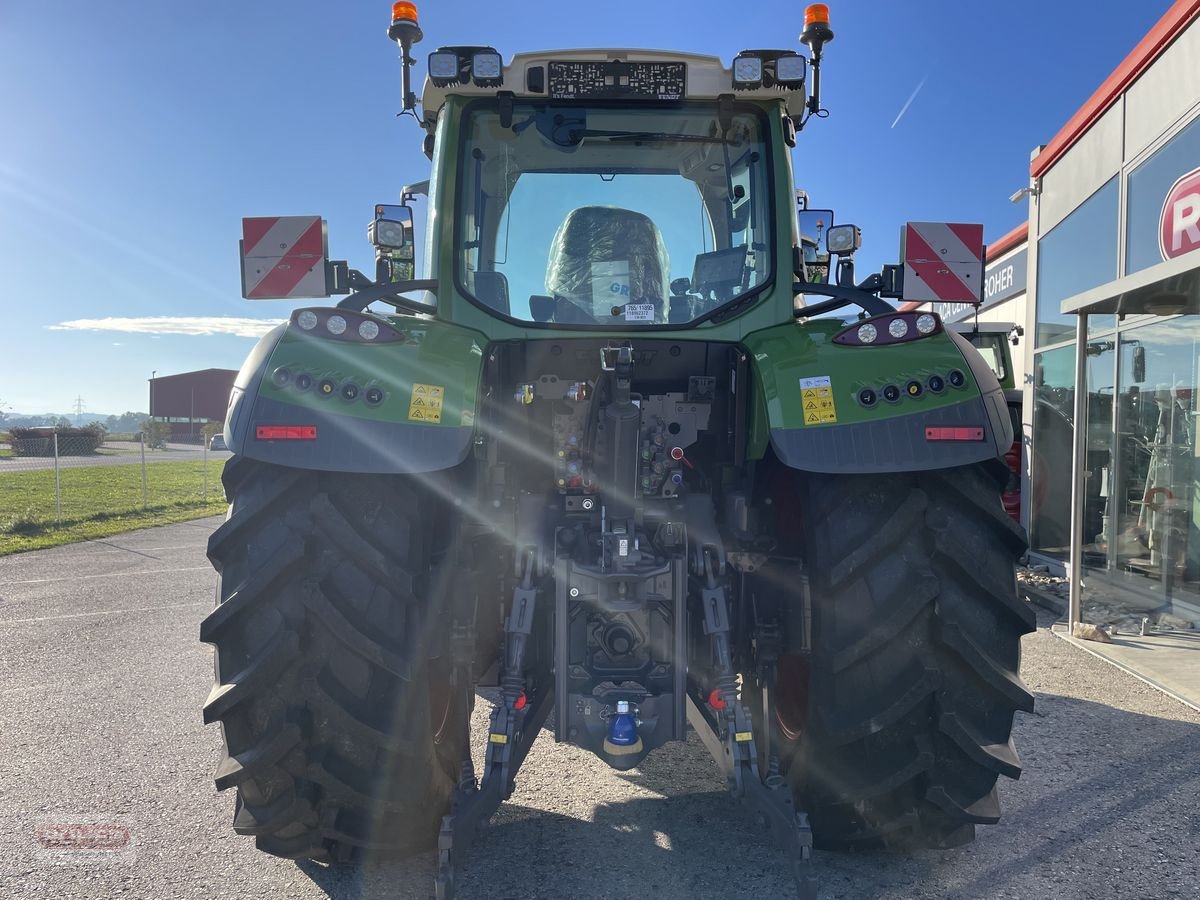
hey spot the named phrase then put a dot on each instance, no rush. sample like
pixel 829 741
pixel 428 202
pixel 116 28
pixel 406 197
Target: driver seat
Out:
pixel 604 257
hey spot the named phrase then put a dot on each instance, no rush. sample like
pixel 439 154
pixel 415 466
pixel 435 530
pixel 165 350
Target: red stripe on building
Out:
pixel 1014 238
pixel 254 230
pixel 1176 19
pixel 306 252
pixel 947 285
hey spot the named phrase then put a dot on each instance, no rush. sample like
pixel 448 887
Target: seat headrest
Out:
pixel 605 256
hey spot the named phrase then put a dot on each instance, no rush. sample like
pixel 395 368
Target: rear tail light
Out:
pixel 953 433
pixel 893 328
pixel 343 325
pixel 286 432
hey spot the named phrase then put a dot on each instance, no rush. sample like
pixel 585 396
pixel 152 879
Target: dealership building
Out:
pixel 1110 306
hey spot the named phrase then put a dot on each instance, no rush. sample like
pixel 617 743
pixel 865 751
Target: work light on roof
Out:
pixel 791 70
pixel 486 68
pixel 443 68
pixel 747 72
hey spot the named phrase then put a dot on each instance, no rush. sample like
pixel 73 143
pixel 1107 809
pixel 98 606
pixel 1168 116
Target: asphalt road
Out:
pixel 103 679
pixel 117 453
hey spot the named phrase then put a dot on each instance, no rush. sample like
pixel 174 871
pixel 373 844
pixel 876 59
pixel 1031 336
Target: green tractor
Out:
pixel 620 454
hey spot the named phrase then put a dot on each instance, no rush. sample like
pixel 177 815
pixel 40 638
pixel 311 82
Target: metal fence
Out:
pixel 56 481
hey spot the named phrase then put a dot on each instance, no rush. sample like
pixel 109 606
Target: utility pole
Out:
pixel 80 408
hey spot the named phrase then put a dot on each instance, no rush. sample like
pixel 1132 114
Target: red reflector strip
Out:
pixel 968 433
pixel 286 432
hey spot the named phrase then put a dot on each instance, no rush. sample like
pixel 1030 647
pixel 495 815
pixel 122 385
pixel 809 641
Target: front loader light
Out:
pixel 307 319
pixel 926 324
pixel 897 328
pixel 368 330
pixel 747 72
pixel 443 68
pixel 487 69
pixel 867 333
pixel 791 70
pixel 336 325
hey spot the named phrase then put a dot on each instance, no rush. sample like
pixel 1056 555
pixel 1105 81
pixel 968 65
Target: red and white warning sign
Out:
pixel 943 262
pixel 283 257
pixel 1179 225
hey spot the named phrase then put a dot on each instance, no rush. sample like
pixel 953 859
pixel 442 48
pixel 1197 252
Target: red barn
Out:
pixel 189 401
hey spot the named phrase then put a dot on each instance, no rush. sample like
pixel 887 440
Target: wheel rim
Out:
pixel 791 697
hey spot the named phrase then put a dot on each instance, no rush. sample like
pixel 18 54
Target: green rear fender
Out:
pixel 810 411
pixel 396 407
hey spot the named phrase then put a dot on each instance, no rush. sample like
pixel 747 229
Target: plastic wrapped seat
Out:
pixel 605 257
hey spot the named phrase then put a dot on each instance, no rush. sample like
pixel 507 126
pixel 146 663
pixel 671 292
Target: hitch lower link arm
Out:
pixel 735 749
pixel 515 722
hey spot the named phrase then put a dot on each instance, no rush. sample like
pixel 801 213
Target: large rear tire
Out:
pixel 913 681
pixel 340 734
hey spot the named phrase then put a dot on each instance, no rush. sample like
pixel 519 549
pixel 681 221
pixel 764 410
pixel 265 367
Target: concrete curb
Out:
pixel 1044 599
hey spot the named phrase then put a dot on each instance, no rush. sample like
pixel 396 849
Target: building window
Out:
pixel 1079 253
pixel 1148 187
pixel 1142 558
pixel 1053 433
pixel 1050 461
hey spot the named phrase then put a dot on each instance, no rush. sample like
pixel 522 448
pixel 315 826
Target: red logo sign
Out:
pixel 1179 226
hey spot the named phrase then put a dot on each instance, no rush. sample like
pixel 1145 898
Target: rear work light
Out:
pixel 893 328
pixel 286 432
pixel 343 325
pixel 448 66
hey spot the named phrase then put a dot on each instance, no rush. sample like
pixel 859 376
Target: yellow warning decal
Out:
pixel 816 399
pixel 426 403
pixel 498 738
pixel 742 736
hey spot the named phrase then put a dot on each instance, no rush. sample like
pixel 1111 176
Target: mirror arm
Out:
pixel 872 283
pixel 388 293
pixel 840 296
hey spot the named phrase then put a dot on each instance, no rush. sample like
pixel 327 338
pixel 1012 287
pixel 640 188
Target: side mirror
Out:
pixel 811 253
pixel 1139 364
pixel 392 231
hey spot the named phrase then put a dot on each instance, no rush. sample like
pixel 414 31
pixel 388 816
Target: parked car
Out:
pixel 217 442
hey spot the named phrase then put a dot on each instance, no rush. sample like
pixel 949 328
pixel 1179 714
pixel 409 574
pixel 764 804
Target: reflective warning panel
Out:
pixel 943 262
pixel 283 258
pixel 425 405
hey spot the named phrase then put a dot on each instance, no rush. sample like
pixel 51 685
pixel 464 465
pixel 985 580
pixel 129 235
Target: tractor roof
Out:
pixel 526 75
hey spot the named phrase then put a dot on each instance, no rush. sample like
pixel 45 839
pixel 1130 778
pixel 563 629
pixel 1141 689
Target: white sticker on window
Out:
pixel 610 283
pixel 816 382
pixel 639 312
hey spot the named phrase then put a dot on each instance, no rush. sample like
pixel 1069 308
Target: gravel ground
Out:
pixel 103 679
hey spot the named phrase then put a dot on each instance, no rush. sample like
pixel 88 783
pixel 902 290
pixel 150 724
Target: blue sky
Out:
pixel 134 135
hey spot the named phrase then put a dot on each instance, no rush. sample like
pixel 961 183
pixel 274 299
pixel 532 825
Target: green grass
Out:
pixel 98 501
